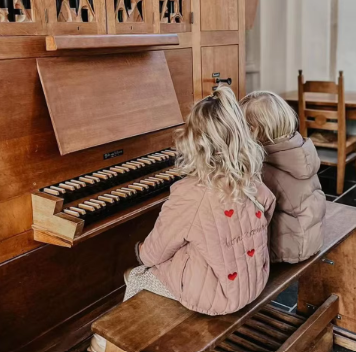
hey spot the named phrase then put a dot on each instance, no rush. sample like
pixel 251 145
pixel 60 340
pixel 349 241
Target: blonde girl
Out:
pixel 208 248
pixel 290 171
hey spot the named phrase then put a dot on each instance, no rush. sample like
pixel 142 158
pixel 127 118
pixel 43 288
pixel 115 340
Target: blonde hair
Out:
pixel 216 146
pixel 269 116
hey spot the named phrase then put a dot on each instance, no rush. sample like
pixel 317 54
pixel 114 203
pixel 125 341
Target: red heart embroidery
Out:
pixel 229 213
pixel 232 277
pixel 259 214
pixel 251 253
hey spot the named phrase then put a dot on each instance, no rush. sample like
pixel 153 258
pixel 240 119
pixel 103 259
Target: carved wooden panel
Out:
pixel 76 16
pixel 129 16
pixel 175 15
pixel 75 11
pixel 22 17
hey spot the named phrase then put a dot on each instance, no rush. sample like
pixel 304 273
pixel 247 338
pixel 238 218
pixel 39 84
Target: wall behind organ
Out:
pixel 314 35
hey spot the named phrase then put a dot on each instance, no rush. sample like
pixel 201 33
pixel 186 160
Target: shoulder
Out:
pixel 188 187
pixel 264 194
pixel 271 174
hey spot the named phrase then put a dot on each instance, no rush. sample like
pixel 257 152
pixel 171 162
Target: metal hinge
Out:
pixel 46 15
pixel 328 261
pixel 192 18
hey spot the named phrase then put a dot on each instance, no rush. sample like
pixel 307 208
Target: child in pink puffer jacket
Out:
pixel 208 248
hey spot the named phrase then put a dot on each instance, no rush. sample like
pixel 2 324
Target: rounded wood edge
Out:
pixel 51 44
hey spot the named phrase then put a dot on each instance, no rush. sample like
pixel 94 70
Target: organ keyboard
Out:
pixel 63 212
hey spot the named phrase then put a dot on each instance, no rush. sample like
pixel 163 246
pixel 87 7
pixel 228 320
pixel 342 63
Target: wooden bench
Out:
pixel 151 323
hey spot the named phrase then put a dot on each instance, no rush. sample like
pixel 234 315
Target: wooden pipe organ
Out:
pixel 92 93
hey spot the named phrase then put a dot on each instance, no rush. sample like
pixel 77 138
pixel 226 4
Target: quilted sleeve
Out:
pixel 269 209
pixel 273 193
pixel 172 227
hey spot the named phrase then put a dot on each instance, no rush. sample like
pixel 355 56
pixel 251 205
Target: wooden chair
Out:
pixel 340 151
pixel 151 323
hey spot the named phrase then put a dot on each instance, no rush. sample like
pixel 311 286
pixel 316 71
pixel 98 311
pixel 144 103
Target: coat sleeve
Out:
pixel 271 197
pixel 171 229
pixel 270 206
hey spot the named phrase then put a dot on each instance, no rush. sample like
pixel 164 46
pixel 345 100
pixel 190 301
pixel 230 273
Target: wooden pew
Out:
pixel 149 323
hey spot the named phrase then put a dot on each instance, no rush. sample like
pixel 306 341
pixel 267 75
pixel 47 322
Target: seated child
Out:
pixel 290 172
pixel 208 248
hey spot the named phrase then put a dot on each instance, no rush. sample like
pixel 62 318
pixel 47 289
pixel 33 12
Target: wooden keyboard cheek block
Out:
pixel 47 215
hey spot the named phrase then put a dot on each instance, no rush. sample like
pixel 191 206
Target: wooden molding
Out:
pixel 70 42
pixel 344 338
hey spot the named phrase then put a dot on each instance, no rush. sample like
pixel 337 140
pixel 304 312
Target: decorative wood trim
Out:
pixel 70 42
pixel 344 338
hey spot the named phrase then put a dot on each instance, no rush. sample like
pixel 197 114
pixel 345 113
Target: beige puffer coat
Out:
pixel 290 172
pixel 212 257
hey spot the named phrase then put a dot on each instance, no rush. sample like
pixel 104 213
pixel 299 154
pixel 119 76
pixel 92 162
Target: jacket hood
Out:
pixel 294 155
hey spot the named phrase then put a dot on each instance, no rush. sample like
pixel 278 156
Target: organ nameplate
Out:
pixel 113 154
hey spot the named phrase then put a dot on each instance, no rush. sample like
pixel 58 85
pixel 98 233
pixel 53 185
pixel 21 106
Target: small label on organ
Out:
pixel 113 154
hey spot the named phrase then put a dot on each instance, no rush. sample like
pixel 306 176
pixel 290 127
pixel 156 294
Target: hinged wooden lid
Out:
pixel 95 100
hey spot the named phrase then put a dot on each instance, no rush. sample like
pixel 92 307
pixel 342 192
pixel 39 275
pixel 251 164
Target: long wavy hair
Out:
pixel 216 146
pixel 269 116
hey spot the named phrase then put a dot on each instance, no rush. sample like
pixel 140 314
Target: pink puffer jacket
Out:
pixel 212 257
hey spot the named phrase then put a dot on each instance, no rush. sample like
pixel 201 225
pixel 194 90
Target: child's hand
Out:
pixel 138 248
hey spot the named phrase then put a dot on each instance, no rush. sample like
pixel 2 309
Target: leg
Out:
pixel 112 348
pixel 97 344
pixel 341 164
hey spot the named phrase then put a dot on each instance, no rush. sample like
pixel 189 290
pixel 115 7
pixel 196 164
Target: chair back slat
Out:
pixel 328 126
pixel 327 114
pixel 320 87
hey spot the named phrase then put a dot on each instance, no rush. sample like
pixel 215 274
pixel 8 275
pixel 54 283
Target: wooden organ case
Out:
pixel 90 94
